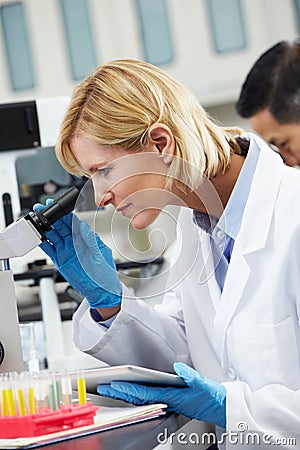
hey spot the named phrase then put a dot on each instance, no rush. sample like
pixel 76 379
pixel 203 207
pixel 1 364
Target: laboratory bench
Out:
pixel 137 436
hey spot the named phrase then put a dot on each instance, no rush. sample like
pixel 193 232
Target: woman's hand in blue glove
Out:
pixel 83 260
pixel 203 399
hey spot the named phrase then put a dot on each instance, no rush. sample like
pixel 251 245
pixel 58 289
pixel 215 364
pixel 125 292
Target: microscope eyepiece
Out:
pixel 61 206
pixel 64 204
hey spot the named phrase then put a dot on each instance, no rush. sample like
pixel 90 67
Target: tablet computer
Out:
pixel 136 374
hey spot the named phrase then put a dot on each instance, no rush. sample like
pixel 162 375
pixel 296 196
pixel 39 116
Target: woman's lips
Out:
pixel 124 208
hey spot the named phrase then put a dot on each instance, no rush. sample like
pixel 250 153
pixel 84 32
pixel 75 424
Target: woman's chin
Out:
pixel 143 219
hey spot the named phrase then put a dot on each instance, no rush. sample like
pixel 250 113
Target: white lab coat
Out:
pixel 248 338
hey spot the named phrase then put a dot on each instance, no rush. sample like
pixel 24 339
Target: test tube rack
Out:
pixel 48 421
pixel 34 404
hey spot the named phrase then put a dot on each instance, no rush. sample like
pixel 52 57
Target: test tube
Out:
pixel 10 402
pixel 52 393
pixel 31 400
pixel 28 383
pixel 41 394
pixel 4 404
pixel 19 381
pixel 81 388
pixel 21 402
pixel 58 389
pixel 66 390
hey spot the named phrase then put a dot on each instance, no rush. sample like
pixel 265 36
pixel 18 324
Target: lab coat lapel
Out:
pixel 251 237
pixel 206 277
pixel 236 279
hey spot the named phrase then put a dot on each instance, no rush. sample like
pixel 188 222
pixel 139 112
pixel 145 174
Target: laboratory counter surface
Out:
pixel 137 436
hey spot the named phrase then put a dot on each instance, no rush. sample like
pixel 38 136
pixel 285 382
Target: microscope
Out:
pixel 19 238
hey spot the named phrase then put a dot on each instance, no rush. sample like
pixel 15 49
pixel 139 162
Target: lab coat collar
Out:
pixel 231 219
pixel 251 237
pixel 260 205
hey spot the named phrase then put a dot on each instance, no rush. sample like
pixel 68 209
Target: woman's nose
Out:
pixel 104 199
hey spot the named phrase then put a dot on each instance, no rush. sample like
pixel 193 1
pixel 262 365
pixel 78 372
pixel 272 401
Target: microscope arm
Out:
pixel 17 239
pixel 11 358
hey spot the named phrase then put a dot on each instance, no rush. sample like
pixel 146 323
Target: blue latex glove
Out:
pixel 203 399
pixel 83 260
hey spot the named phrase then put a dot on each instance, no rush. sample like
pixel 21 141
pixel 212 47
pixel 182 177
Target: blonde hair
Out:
pixel 118 103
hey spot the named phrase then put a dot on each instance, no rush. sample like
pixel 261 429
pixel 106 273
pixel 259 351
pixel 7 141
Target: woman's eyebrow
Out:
pixel 97 165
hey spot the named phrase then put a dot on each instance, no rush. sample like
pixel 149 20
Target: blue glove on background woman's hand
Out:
pixel 83 260
pixel 203 399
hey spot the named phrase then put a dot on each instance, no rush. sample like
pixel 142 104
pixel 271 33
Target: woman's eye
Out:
pixel 104 171
pixel 282 144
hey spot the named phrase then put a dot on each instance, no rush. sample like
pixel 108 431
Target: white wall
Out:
pixel 215 78
pixel 226 114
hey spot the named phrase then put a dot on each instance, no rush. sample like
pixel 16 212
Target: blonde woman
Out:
pixel 230 324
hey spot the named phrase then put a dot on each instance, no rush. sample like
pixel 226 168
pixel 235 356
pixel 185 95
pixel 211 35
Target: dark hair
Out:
pixel 274 83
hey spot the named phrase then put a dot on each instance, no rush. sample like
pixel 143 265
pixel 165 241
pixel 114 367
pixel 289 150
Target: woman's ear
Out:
pixel 160 136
